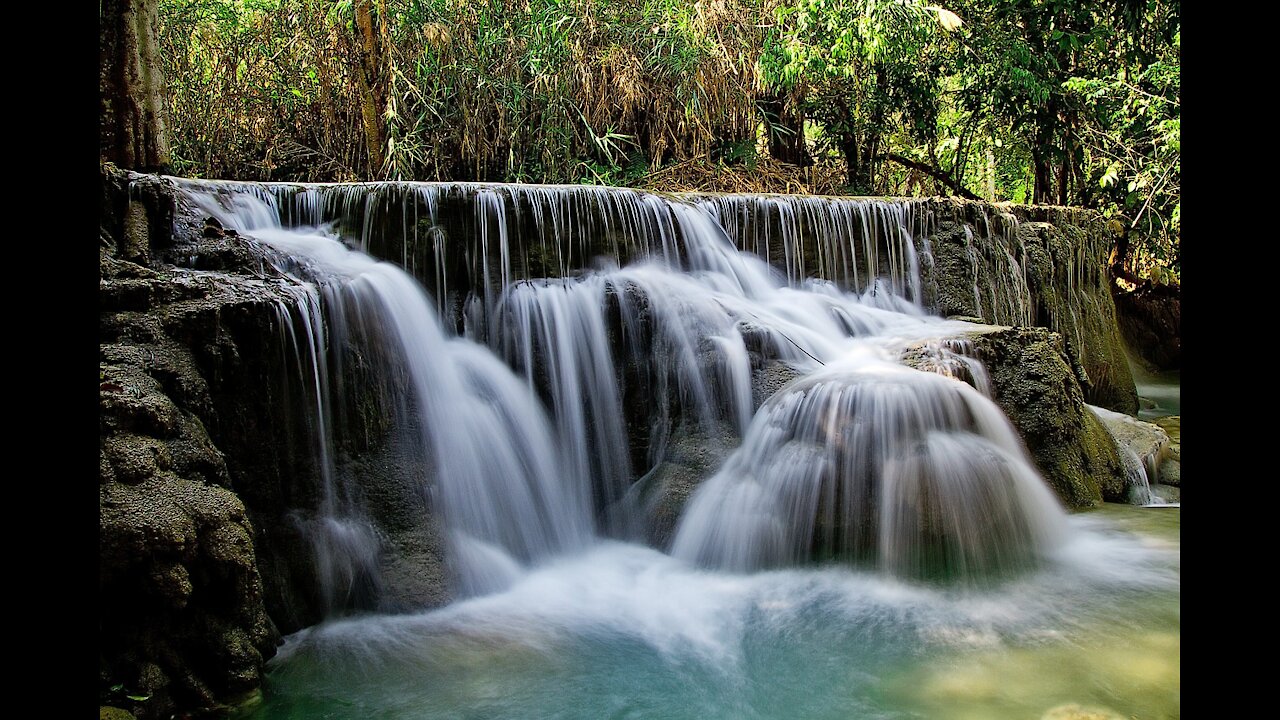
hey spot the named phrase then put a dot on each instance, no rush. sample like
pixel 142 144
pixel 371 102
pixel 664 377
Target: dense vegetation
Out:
pixel 1057 101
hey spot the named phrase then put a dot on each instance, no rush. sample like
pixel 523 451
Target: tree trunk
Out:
pixel 1064 176
pixel 1064 171
pixel 852 166
pixel 133 122
pixel 785 128
pixel 991 173
pixel 1043 190
pixel 372 84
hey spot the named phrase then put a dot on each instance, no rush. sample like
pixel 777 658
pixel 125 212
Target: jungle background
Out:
pixel 1071 102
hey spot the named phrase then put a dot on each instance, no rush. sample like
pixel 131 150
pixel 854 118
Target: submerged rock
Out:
pixel 1079 712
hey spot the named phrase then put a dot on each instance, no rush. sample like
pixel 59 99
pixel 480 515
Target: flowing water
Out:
pixel 876 543
pixel 1159 393
pixel 623 631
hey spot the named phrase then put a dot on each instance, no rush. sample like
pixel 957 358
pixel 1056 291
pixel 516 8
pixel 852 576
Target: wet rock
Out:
pixel 1150 319
pixel 166 569
pixel 662 494
pixel 1036 388
pixel 176 556
pixel 129 400
pixel 134 458
pixel 414 570
pixel 1148 442
pixel 1171 467
pixel 1033 266
pixel 692 455
pixel 412 563
pixel 136 239
pixel 769 379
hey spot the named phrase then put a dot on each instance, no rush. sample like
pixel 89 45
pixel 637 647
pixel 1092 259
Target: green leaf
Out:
pixel 1111 176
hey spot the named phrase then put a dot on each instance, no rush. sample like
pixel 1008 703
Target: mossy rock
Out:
pixel 1036 388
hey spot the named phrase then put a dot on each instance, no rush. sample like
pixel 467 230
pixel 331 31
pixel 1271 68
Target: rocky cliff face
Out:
pixel 1150 320
pixel 209 477
pixel 181 608
pixel 1033 266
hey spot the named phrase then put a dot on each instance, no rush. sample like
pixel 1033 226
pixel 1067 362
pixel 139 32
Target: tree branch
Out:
pixel 933 172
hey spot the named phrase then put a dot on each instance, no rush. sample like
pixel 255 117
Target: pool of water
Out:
pixel 1159 394
pixel 624 631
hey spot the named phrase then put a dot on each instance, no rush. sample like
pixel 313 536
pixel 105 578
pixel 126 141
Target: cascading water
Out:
pixel 569 379
pixel 1142 470
pixel 824 467
pixel 496 473
pixel 856 244
pixel 345 546
pixel 867 460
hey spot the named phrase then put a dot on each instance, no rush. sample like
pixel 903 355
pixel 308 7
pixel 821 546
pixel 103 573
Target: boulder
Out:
pixel 1035 386
pixel 1148 443
pixel 1171 466
pixel 181 610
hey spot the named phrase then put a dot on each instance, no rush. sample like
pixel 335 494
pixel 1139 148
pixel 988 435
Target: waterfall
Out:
pixel 344 544
pixel 868 461
pixel 578 329
pixel 496 475
pixel 855 243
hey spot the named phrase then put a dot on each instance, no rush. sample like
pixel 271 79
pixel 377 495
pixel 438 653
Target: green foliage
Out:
pixel 863 69
pixel 493 89
pixel 1132 135
pixel 1063 101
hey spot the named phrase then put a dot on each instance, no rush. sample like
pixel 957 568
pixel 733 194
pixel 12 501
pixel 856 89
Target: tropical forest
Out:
pixel 652 359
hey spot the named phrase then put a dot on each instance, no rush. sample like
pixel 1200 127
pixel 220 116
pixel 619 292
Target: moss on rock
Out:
pixel 181 613
pixel 1034 385
pixel 1033 266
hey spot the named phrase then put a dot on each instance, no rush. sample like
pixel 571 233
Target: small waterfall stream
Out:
pixel 915 472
